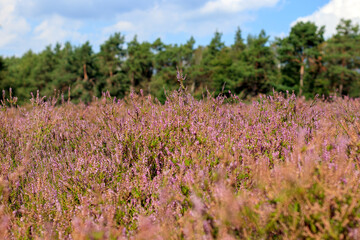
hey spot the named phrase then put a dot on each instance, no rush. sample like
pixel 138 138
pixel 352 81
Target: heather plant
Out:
pixel 216 168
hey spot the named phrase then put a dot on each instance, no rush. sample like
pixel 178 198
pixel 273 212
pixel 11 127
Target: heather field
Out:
pixel 217 168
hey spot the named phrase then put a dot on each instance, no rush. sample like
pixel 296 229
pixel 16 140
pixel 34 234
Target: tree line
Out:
pixel 303 62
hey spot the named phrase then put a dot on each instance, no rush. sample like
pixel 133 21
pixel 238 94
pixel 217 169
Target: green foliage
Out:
pixel 260 69
pixel 111 63
pixel 139 64
pixel 342 56
pixel 299 55
pixel 302 62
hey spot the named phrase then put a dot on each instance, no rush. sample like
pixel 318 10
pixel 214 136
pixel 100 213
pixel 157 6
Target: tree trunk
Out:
pixel 302 70
pixel 192 89
pixel 85 73
pixel 341 88
pixel 342 76
pixel 110 71
pixel 132 81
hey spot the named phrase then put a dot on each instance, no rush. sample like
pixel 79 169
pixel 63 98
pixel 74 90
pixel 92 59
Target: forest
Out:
pixel 303 62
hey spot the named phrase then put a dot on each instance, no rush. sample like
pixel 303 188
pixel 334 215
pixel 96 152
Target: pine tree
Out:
pixel 187 63
pixel 210 76
pixel 45 66
pixel 21 75
pixel 87 69
pixel 239 44
pixel 112 54
pixel 166 60
pixel 342 58
pixel 254 69
pixel 139 64
pixel 66 69
pixel 298 50
pixel 3 83
pixel 111 60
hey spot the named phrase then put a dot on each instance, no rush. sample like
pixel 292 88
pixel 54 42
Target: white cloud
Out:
pixel 33 24
pixel 330 14
pixel 119 27
pixel 18 35
pixel 155 20
pixel 58 29
pixel 12 26
pixel 232 6
pixel 167 18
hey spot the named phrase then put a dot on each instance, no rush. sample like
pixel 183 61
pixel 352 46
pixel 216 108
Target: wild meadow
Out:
pixel 280 167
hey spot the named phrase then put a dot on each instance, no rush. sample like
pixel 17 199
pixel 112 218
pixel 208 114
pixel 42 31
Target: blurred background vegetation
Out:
pixel 303 62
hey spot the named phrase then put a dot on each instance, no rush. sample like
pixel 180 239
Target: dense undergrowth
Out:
pixel 279 168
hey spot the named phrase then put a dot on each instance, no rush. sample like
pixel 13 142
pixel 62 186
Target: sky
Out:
pixel 35 24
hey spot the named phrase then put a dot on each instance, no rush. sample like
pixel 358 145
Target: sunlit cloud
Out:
pixel 12 26
pixel 57 28
pixel 167 18
pixel 233 6
pixel 33 24
pixel 331 14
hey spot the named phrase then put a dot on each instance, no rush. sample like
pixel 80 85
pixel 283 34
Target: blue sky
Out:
pixel 34 24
